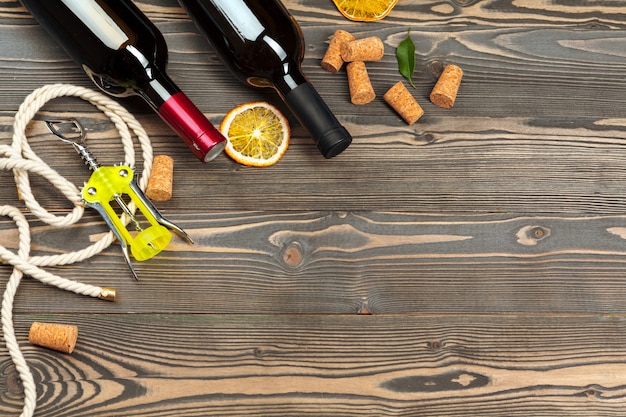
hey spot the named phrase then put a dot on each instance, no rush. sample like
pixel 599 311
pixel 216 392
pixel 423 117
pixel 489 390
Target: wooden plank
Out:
pixel 327 365
pixel 344 262
pixel 538 126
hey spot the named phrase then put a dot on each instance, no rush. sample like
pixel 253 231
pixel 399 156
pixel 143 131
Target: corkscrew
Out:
pixel 107 187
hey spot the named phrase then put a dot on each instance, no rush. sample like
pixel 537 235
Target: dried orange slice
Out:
pixel 257 134
pixel 365 10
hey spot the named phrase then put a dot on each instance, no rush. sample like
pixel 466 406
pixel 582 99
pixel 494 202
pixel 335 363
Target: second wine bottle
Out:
pixel 262 44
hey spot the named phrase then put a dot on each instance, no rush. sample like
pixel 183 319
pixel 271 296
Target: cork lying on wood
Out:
pixel 161 179
pixel 61 337
pixel 361 90
pixel 366 49
pixel 447 86
pixel 332 60
pixel 403 102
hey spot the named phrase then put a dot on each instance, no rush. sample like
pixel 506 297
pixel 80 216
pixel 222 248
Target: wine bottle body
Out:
pixel 263 46
pixel 124 54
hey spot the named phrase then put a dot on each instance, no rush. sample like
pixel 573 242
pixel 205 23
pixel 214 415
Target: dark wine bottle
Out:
pixel 262 44
pixel 125 54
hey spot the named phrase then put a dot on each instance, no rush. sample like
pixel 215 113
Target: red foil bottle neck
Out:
pixel 205 141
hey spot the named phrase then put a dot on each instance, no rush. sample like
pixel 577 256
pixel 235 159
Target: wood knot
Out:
pixel 425 138
pixel 435 345
pixel 592 394
pixel 261 352
pixel 364 309
pixel 531 235
pixel 293 255
pixel 436 67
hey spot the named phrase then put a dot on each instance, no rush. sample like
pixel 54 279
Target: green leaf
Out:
pixel 405 54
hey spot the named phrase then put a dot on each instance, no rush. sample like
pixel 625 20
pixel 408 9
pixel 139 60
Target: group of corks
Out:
pixel 345 48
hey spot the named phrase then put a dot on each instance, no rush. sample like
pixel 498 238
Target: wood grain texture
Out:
pixel 341 263
pixel 321 365
pixel 470 264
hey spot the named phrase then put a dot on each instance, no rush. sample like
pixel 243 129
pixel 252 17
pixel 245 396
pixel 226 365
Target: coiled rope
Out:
pixel 20 158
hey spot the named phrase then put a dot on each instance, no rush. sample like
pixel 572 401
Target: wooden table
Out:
pixel 473 263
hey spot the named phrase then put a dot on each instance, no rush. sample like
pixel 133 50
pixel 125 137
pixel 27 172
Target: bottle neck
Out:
pixel 314 114
pixel 179 112
pixel 288 77
pixel 158 89
pixel 291 79
pixel 309 108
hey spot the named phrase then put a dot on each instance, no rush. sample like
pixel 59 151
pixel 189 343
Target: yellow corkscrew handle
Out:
pixel 108 183
pixel 149 242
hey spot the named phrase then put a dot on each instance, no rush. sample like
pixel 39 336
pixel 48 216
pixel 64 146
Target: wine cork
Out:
pixel 61 337
pixel 332 61
pixel 366 49
pixel 161 178
pixel 361 90
pixel 447 86
pixel 403 102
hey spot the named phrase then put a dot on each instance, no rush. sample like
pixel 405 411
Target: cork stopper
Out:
pixel 161 179
pixel 403 102
pixel 447 86
pixel 332 61
pixel 366 49
pixel 361 90
pixel 61 337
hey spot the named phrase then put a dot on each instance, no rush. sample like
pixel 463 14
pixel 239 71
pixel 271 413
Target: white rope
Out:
pixel 20 158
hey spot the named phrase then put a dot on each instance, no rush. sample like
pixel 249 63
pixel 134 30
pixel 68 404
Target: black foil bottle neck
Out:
pixel 310 109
